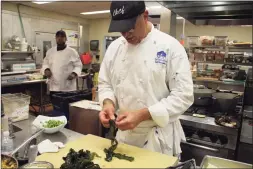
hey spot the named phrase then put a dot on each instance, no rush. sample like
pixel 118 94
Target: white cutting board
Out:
pixel 143 158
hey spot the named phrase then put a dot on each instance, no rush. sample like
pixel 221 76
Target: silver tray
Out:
pixel 216 162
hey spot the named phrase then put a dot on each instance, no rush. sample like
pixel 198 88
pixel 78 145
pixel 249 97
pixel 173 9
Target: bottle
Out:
pixel 7 143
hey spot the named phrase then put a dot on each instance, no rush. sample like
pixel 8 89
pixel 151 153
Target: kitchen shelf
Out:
pixel 213 62
pixel 240 47
pixel 221 47
pixel 237 83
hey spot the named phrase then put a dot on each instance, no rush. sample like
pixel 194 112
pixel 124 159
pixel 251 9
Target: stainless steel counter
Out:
pixel 24 82
pixel 206 123
pixel 28 129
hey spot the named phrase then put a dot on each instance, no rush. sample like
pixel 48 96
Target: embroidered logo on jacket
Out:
pixel 161 57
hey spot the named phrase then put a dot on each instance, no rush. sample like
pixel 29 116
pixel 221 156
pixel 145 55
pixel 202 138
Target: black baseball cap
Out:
pixel 124 15
pixel 60 33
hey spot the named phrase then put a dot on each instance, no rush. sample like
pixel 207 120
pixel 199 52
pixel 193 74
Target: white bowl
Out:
pixel 40 120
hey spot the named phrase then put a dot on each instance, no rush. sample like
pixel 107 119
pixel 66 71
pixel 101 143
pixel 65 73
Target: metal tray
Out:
pixel 216 162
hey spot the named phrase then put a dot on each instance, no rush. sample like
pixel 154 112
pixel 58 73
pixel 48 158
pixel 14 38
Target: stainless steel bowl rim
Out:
pixel 39 162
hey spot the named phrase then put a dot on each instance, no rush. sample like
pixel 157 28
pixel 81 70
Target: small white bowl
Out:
pixel 40 120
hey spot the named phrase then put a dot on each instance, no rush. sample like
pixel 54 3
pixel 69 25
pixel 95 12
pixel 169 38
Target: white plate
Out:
pixel 40 120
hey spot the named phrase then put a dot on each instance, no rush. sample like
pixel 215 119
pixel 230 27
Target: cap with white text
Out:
pixel 124 15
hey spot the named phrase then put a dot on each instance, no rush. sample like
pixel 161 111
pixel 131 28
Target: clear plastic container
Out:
pixel 220 40
pixel 7 143
pixel 193 41
pixel 16 106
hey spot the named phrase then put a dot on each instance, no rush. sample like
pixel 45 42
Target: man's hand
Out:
pixel 107 113
pixel 129 120
pixel 72 76
pixel 48 73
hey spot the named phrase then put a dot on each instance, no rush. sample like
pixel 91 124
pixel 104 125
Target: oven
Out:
pixel 200 142
pixel 191 149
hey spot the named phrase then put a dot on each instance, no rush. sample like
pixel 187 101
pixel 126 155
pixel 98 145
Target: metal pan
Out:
pixel 9 159
pixel 216 162
pixel 203 97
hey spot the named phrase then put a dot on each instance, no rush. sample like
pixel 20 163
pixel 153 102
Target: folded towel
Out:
pixel 47 146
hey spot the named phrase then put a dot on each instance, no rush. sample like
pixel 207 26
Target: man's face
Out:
pixel 134 36
pixel 60 40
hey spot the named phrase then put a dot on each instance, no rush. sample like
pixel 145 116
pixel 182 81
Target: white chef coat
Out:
pixel 154 74
pixel 62 63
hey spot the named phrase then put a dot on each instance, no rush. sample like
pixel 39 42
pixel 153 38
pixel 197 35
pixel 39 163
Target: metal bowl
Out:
pixel 38 164
pixel 9 158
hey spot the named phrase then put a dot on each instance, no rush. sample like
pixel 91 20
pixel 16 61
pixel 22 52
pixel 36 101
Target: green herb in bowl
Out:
pixel 52 123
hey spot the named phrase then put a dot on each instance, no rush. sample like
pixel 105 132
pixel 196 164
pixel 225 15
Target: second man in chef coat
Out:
pixel 62 65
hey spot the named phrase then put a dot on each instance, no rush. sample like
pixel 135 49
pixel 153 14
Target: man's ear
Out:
pixel 145 14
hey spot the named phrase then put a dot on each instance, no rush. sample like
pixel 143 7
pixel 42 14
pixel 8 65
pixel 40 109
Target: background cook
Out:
pixel 61 66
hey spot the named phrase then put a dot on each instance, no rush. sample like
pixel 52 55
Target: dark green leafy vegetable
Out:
pixel 114 143
pixel 80 160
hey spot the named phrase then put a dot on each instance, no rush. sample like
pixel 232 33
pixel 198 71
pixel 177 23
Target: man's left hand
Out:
pixel 129 120
pixel 72 76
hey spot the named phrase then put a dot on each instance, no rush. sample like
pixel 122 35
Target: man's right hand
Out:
pixel 107 113
pixel 48 73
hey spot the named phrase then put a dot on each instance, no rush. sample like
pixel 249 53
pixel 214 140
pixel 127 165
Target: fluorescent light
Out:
pixel 95 12
pixel 41 2
pixel 179 17
pixel 154 7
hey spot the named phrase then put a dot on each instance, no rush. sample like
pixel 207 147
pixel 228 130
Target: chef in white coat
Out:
pixel 62 65
pixel 145 79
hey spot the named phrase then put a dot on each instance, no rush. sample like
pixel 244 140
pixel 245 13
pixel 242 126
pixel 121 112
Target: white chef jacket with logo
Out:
pixel 154 74
pixel 62 63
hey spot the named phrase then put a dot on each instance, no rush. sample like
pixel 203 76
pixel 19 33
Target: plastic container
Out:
pixel 7 143
pixel 16 106
pixel 220 40
pixel 24 45
pixel 61 101
pixel 193 41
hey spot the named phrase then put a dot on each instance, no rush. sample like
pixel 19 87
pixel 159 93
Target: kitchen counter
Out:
pixel 28 129
pixel 206 123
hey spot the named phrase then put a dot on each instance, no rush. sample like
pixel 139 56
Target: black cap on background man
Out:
pixel 61 33
pixel 124 15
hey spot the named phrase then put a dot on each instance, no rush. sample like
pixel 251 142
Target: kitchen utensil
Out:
pixel 143 158
pixel 216 162
pixel 225 102
pixel 9 159
pixel 39 164
pixel 185 165
pixel 27 141
pixel 203 97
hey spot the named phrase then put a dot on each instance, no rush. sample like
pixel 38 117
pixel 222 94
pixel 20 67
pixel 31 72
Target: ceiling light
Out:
pixel 154 7
pixel 179 17
pixel 95 12
pixel 43 2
